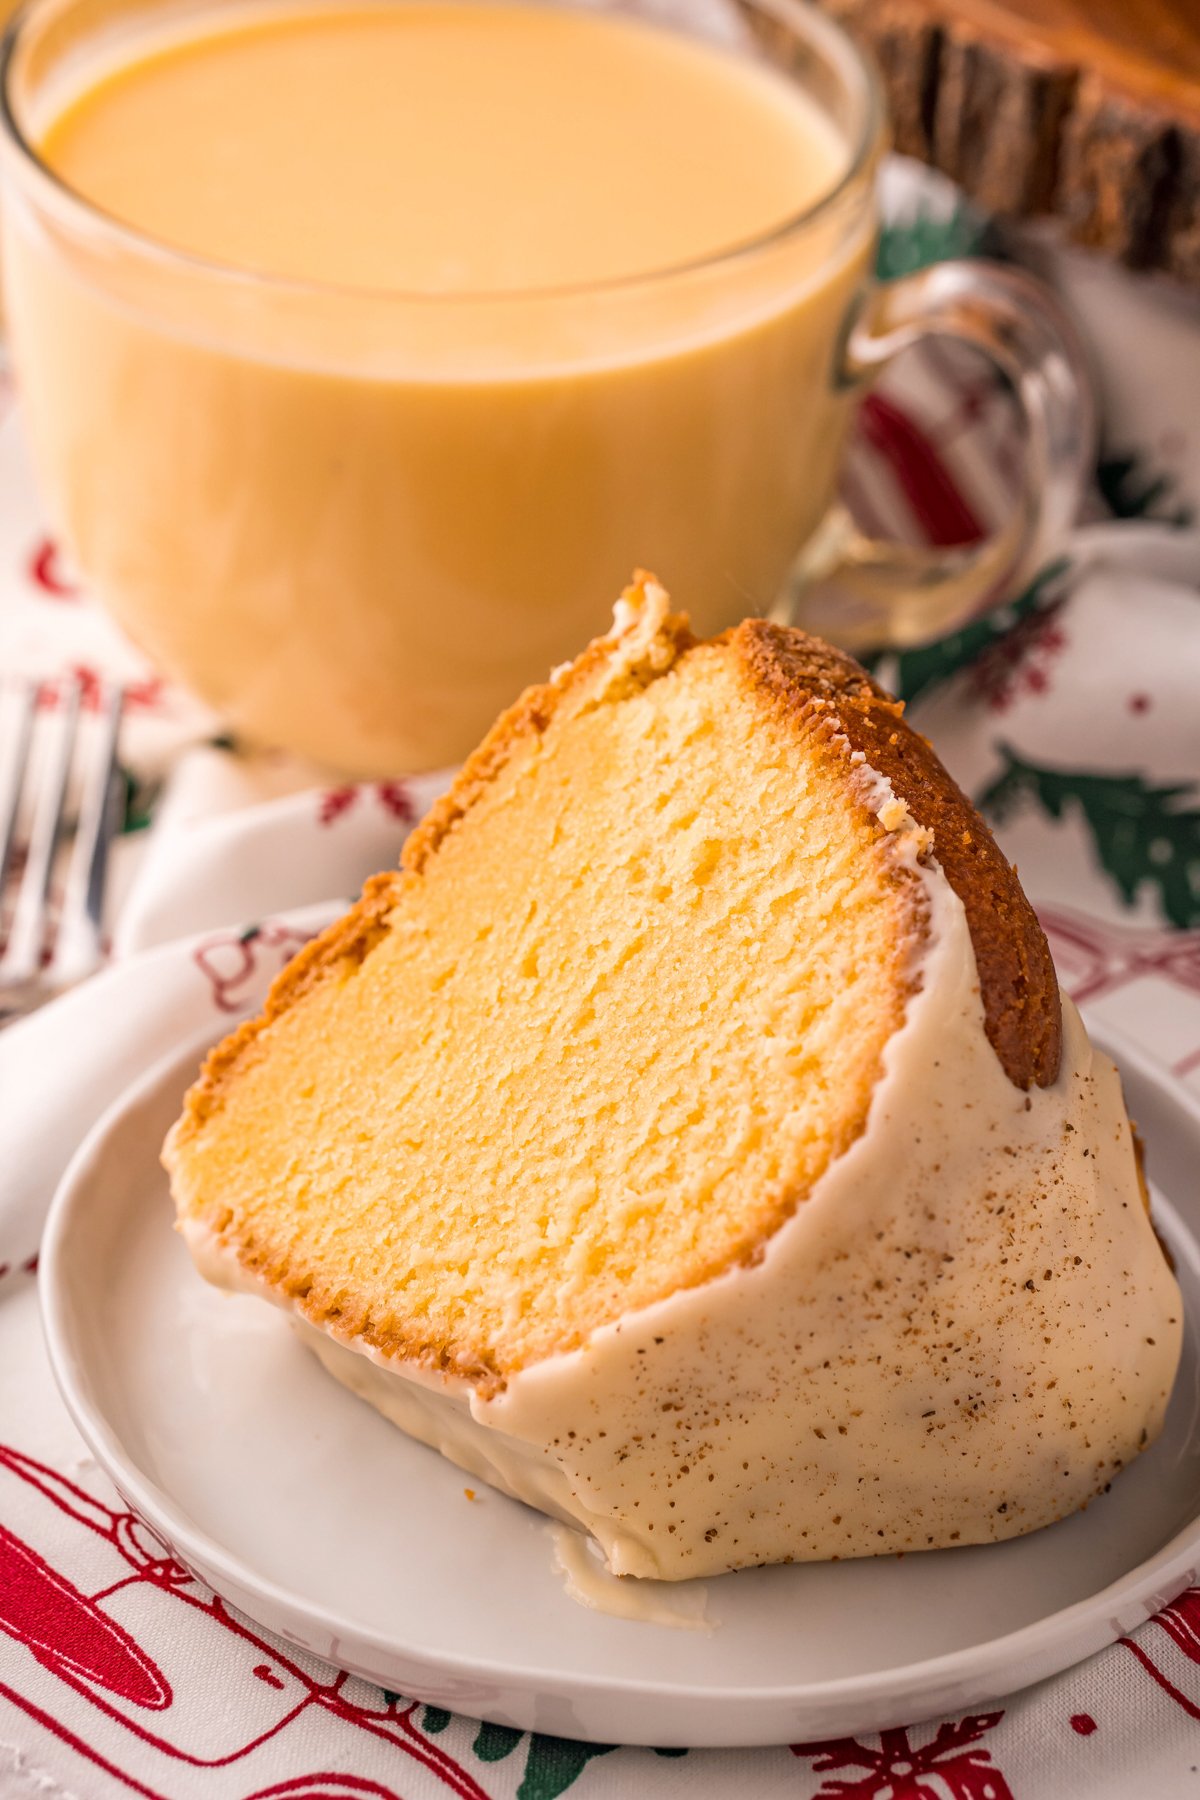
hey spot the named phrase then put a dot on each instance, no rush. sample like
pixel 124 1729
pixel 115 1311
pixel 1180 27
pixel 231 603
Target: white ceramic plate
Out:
pixel 301 1506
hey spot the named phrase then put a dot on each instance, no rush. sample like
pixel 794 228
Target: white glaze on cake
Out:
pixel 963 1333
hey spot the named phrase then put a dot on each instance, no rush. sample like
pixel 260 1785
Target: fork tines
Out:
pixel 48 756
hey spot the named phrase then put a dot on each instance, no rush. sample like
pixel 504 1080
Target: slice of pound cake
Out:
pixel 690 1138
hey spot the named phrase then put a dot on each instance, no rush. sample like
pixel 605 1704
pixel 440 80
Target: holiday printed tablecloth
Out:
pixel 1070 714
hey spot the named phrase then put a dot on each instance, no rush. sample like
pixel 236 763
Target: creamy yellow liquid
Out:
pixel 358 513
pixel 446 147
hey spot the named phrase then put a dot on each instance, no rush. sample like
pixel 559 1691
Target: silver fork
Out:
pixel 38 961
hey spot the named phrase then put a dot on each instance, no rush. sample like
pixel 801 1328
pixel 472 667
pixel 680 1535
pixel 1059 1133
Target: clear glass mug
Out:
pixel 357 523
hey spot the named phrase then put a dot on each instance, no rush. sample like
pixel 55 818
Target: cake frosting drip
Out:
pixel 963 1332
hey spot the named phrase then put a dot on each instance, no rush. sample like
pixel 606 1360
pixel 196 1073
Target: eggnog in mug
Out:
pixel 366 348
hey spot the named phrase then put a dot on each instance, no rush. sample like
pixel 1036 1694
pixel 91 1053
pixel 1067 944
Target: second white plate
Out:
pixel 300 1505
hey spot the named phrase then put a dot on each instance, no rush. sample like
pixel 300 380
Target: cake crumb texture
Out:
pixel 626 1001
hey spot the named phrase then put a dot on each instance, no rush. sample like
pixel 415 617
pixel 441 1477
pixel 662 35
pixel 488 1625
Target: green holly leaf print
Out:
pixel 434 1718
pixel 916 243
pixel 913 673
pixel 494 1742
pixel 136 801
pixel 1142 831
pixel 1131 489
pixel 553 1764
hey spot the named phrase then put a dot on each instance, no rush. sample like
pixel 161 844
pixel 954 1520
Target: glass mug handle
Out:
pixel 864 592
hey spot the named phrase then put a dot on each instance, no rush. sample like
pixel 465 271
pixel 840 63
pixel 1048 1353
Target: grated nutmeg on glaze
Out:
pixel 896 1372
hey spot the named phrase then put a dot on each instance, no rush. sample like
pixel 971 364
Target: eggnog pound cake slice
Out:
pixel 690 1138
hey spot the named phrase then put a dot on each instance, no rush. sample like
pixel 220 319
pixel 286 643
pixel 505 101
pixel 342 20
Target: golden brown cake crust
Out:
pixel 1022 1008
pixel 349 938
pixel 819 686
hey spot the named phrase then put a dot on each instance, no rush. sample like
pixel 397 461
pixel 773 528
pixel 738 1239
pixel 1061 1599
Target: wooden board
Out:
pixel 1085 110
